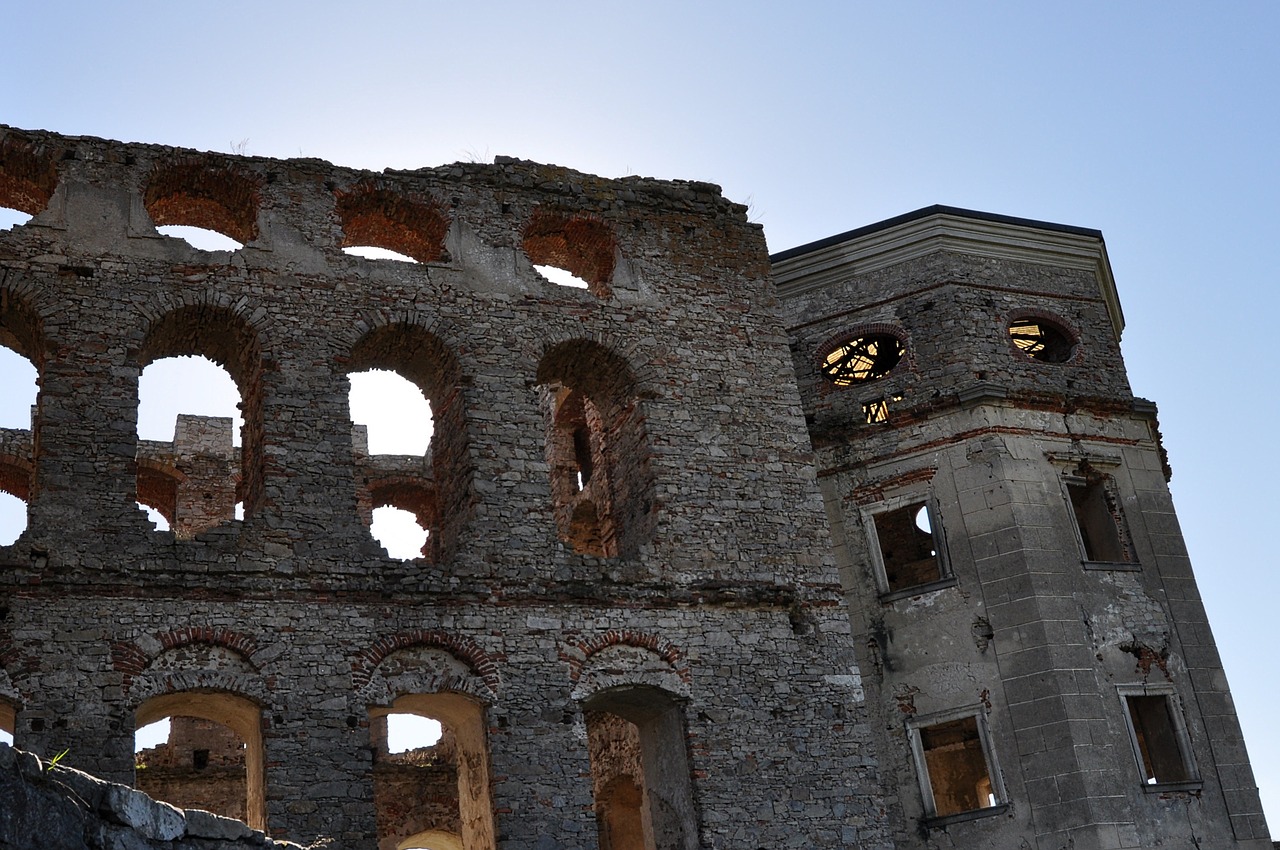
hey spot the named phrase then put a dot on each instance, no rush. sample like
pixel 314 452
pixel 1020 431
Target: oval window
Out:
pixel 863 358
pixel 1042 340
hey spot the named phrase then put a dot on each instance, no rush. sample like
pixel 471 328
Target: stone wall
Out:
pixel 708 587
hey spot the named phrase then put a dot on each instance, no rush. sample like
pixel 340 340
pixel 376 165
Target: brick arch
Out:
pixel 132 657
pixel 205 191
pixel 357 332
pixel 158 486
pixel 644 377
pixel 376 213
pixel 467 651
pixel 580 243
pixel 28 174
pixel 15 476
pixel 577 653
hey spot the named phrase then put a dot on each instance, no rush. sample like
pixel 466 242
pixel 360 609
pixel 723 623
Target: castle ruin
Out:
pixel 865 544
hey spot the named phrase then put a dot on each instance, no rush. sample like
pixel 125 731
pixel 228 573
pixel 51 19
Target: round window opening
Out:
pixel 1042 340
pixel 863 358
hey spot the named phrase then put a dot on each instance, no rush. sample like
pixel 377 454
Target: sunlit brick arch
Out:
pixel 580 244
pixel 206 192
pixel 375 214
pixel 477 677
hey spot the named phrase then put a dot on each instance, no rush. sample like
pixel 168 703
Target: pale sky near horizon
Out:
pixel 1156 123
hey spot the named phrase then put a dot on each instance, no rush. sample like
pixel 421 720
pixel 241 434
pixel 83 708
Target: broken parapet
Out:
pixel 47 805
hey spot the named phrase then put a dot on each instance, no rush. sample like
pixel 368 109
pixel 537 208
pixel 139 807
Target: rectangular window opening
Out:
pixel 1158 739
pixel 957 767
pixel 1099 522
pixel 909 550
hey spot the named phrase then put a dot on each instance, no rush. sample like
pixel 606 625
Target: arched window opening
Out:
pixel 188 424
pixel 210 757
pixel 431 774
pixel 393 419
pixel 640 770
pixel 409 438
pixel 395 225
pixel 601 484
pixel 1042 339
pixel 11 218
pixel 211 197
pixel 584 249
pixel 202 372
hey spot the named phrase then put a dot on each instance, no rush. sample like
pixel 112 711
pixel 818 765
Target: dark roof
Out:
pixel 925 212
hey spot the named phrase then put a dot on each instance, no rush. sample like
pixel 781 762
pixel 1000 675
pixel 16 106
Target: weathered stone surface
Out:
pixel 653 609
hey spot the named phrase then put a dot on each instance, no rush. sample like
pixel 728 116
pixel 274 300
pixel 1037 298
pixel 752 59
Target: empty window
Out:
pixel 202 751
pixel 20 351
pixel 409 439
pixel 431 773
pixel 1159 739
pixel 955 765
pixel 908 546
pixel 216 206
pixel 1043 340
pixel 572 250
pixel 862 358
pixel 396 420
pixel 385 224
pixel 188 427
pixel 11 218
pixel 1098 519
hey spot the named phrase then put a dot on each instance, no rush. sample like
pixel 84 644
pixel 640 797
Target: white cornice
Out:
pixel 828 265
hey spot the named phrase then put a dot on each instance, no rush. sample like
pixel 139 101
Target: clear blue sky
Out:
pixel 1154 122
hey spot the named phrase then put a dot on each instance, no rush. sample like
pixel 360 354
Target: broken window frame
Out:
pixel 916 725
pixel 1086 526
pixel 1054 343
pixel 1147 773
pixel 880 572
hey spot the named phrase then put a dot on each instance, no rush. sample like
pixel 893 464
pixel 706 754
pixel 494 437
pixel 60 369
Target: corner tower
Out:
pixel 1037 659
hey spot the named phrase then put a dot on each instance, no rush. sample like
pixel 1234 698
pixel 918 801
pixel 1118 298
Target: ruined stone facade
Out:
pixel 633 616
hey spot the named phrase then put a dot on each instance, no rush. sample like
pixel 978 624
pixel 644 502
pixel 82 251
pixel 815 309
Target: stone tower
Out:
pixel 1036 658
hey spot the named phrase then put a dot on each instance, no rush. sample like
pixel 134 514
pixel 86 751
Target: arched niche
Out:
pixel 601 481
